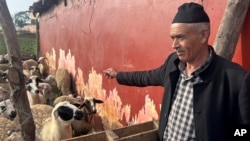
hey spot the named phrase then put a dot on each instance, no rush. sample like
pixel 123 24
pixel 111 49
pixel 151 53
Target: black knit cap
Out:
pixel 191 13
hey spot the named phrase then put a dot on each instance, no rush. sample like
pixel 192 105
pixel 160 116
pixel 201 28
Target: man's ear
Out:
pixel 204 36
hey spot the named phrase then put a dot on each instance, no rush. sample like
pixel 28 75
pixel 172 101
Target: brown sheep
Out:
pixel 43 66
pixel 64 82
pixel 28 63
pixel 88 106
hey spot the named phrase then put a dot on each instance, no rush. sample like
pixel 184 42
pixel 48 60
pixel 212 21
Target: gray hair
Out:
pixel 198 27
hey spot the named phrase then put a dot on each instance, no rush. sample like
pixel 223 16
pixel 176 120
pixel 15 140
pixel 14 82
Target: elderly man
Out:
pixel 205 95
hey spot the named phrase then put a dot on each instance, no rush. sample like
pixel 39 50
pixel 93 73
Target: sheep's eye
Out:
pixel 3 108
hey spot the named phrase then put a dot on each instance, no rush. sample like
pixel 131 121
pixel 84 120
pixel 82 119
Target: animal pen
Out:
pixel 86 36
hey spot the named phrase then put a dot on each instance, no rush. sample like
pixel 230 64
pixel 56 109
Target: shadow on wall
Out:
pixel 112 111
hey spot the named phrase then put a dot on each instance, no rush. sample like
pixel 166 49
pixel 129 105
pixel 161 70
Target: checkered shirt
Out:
pixel 180 126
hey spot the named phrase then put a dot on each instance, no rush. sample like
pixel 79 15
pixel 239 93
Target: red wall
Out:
pixel 88 37
pixel 243 47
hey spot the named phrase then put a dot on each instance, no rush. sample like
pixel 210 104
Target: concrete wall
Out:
pixel 87 36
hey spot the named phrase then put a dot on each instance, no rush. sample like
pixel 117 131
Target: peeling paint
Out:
pixel 112 111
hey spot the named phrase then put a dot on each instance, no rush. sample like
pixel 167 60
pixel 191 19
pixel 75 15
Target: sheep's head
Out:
pixel 42 60
pixel 66 112
pixel 34 70
pixel 7 109
pixel 32 84
pixel 90 104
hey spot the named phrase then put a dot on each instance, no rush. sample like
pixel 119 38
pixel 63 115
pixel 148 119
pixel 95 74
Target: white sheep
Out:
pixel 58 127
pixel 4 58
pixel 63 80
pixel 8 120
pixel 7 109
pixel 43 66
pixel 88 106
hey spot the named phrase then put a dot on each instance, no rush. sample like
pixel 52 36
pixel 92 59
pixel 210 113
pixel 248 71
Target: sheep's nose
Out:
pixel 36 91
pixel 78 115
pixel 94 111
pixel 13 114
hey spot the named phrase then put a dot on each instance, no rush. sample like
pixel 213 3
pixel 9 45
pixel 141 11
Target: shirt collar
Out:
pixel 182 65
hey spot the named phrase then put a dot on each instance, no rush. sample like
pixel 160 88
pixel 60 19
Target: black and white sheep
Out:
pixel 58 127
pixel 87 106
pixel 37 91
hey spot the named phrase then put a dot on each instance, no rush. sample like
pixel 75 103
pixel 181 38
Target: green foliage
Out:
pixel 28 45
pixel 21 18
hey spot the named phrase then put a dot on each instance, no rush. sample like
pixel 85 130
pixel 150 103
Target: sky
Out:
pixel 16 6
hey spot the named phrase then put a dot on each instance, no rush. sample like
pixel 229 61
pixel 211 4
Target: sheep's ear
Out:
pixel 98 101
pixel 39 80
pixel 29 81
pixel 84 104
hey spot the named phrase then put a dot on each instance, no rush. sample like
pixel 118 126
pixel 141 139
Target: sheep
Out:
pixel 75 101
pixel 35 95
pixel 58 126
pixel 40 113
pixel 8 126
pixel 32 70
pixel 63 80
pixel 84 126
pixel 28 63
pixel 7 109
pixel 4 93
pixel 10 129
pixel 88 106
pixel 55 92
pixel 3 70
pixel 8 119
pixel 14 136
pixel 36 86
pixel 43 66
pixel 4 58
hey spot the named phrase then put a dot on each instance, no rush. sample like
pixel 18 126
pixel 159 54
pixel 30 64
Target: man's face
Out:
pixel 186 42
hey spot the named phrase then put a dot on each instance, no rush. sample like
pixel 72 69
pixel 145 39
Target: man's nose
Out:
pixel 175 43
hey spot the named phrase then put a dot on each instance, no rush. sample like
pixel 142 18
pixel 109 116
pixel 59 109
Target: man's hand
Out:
pixel 110 73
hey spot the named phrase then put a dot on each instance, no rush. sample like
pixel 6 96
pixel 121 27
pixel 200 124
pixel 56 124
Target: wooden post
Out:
pixel 230 27
pixel 15 75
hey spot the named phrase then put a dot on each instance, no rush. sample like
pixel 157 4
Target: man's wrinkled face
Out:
pixel 186 41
